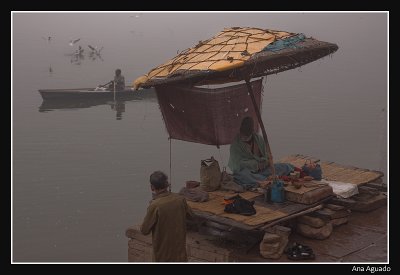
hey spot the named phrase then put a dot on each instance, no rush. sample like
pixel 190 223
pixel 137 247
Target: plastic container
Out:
pixel 277 191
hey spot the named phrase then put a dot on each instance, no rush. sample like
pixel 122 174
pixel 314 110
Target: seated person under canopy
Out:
pixel 248 158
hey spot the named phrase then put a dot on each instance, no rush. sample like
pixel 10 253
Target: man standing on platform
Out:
pixel 166 220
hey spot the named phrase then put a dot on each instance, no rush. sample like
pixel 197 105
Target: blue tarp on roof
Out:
pixel 289 42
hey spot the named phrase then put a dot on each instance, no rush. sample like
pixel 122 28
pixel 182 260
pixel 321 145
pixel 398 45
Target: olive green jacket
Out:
pixel 166 219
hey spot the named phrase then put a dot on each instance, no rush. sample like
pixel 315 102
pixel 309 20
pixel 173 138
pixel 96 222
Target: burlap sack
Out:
pixel 210 175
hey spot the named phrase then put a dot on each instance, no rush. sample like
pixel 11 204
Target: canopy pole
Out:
pixel 264 133
pixel 170 162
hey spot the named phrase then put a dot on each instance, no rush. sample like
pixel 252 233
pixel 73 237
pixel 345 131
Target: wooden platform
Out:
pixel 336 172
pixel 220 226
pixel 269 214
pixel 215 206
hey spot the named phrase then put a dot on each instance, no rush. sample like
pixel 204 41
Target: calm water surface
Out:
pixel 80 172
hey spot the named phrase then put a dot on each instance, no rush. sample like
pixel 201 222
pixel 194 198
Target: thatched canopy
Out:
pixel 237 54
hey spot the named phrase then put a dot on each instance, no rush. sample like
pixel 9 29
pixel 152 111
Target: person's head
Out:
pixel 246 129
pixel 158 181
pixel 117 71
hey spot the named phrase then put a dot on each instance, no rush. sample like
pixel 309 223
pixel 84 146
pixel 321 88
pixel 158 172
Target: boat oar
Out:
pixel 101 86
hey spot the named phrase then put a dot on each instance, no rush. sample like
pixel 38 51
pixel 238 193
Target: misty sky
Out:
pixel 156 37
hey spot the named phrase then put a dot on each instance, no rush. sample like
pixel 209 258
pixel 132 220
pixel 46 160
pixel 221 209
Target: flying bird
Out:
pixel 95 50
pixel 48 39
pixel 72 42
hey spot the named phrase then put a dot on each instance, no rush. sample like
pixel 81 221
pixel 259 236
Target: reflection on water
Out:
pixel 117 105
pixel 77 58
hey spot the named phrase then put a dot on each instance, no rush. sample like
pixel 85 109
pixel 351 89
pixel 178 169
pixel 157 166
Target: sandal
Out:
pixel 300 252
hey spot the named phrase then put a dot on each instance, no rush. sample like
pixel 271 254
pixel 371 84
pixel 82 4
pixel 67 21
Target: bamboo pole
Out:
pixel 301 213
pixel 264 133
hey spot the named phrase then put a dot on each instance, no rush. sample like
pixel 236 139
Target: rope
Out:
pixel 221 158
pixel 170 164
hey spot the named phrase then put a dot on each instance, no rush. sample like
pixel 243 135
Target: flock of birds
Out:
pixel 94 52
pixel 76 57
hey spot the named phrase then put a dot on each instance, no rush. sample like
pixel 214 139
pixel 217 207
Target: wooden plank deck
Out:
pixel 337 172
pixel 272 213
pixel 213 210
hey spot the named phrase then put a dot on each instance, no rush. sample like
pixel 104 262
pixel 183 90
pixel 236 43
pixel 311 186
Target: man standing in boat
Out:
pixel 119 81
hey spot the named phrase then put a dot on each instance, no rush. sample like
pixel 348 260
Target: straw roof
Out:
pixel 236 54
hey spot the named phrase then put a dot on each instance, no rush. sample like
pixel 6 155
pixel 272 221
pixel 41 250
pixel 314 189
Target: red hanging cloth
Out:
pixel 207 116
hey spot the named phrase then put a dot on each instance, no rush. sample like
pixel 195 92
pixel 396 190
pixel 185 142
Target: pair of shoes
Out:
pixel 300 252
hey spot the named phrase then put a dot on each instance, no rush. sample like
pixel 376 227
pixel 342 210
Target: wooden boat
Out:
pixel 75 102
pixel 87 93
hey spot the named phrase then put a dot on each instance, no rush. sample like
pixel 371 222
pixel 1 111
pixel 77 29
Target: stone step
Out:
pixel 314 233
pixel 379 186
pixel 330 214
pixel 368 190
pixel 312 221
pixel 334 207
pixel 348 203
pixel 340 221
pixel 370 203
